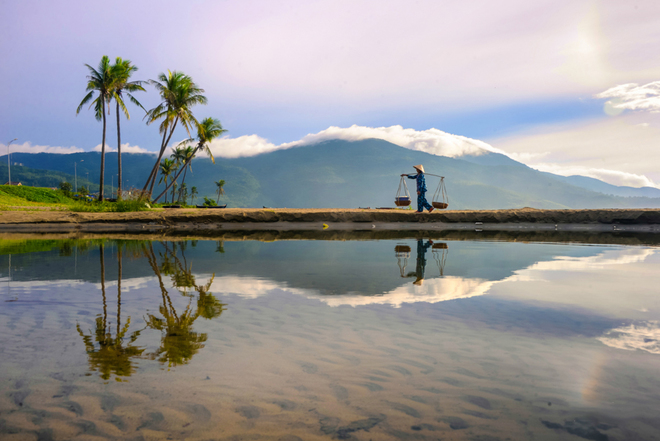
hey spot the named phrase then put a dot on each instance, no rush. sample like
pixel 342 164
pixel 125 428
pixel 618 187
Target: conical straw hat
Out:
pixel 419 167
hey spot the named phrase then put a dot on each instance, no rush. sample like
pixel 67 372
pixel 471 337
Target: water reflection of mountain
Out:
pixel 328 267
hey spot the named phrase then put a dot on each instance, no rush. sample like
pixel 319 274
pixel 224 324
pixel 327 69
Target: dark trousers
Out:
pixel 422 203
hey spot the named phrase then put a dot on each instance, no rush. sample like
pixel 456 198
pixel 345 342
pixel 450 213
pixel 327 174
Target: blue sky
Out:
pixel 521 76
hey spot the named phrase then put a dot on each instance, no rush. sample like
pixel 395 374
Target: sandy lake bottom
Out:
pixel 311 340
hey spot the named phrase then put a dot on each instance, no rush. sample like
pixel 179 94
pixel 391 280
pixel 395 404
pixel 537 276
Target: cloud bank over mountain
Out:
pixel 589 149
pixel 620 150
pixel 433 141
pixel 27 147
pixel 125 148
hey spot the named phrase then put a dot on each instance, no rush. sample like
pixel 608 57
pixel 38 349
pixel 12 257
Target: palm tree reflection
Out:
pixel 107 354
pixel 118 355
pixel 179 343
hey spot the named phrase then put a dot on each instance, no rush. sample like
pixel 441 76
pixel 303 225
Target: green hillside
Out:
pixel 353 174
pixel 38 177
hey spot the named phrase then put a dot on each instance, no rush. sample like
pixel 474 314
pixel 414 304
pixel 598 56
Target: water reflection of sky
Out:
pixel 527 323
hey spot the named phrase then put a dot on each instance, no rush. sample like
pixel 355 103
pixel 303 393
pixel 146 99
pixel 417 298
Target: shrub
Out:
pixel 130 205
pixel 66 188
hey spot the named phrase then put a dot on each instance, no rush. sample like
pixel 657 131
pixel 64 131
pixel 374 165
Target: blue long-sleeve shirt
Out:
pixel 421 182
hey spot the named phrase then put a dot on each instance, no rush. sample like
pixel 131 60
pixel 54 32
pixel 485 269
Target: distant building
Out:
pixel 12 183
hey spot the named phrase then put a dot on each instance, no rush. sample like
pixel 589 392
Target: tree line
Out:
pixel 179 93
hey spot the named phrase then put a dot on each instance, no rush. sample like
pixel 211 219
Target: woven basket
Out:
pixel 403 201
pixel 440 205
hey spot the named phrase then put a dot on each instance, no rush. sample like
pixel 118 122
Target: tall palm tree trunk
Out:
pixel 167 302
pixel 183 180
pixel 118 156
pixel 105 305
pixel 102 154
pixel 160 155
pixel 154 171
pixel 119 289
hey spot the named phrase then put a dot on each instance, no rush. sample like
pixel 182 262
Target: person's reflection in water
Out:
pixel 421 261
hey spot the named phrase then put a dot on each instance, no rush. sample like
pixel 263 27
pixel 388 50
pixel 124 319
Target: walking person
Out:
pixel 422 203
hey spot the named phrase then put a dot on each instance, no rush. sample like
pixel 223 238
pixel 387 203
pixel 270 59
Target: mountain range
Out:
pixel 352 174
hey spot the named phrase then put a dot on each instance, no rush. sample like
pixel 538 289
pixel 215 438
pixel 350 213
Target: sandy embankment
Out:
pixel 209 220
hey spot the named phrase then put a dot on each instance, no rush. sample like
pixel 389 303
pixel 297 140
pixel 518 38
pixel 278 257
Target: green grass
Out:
pixel 27 197
pixel 65 246
pixel 101 207
pixel 35 194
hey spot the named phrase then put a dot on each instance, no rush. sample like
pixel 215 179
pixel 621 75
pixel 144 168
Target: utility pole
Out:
pixel 75 176
pixel 8 160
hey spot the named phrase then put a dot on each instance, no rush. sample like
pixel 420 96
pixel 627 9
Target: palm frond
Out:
pixel 98 108
pixel 84 101
pixel 122 106
pixel 135 101
pixel 208 151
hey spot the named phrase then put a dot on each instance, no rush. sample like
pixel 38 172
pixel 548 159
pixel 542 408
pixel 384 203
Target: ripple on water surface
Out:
pixel 304 340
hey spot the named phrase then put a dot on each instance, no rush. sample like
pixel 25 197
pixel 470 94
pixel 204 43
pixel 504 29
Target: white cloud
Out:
pixel 614 283
pixel 591 263
pixel 248 145
pixel 433 290
pixel 27 147
pixel 632 96
pixel 643 336
pixel 125 148
pixel 613 177
pixel 433 141
pixel 620 151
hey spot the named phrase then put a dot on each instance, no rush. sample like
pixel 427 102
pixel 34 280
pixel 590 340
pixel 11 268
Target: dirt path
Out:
pixel 344 219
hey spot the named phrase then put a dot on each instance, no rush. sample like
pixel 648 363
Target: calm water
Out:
pixel 291 340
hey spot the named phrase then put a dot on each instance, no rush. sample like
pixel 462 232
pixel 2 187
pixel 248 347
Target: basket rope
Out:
pixel 441 192
pixel 402 186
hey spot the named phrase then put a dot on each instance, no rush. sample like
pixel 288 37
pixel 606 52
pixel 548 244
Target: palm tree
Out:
pixel 193 195
pixel 174 187
pixel 122 71
pixel 167 167
pixel 207 131
pixel 102 82
pixel 183 193
pixel 179 93
pixel 179 157
pixel 188 154
pixel 220 190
